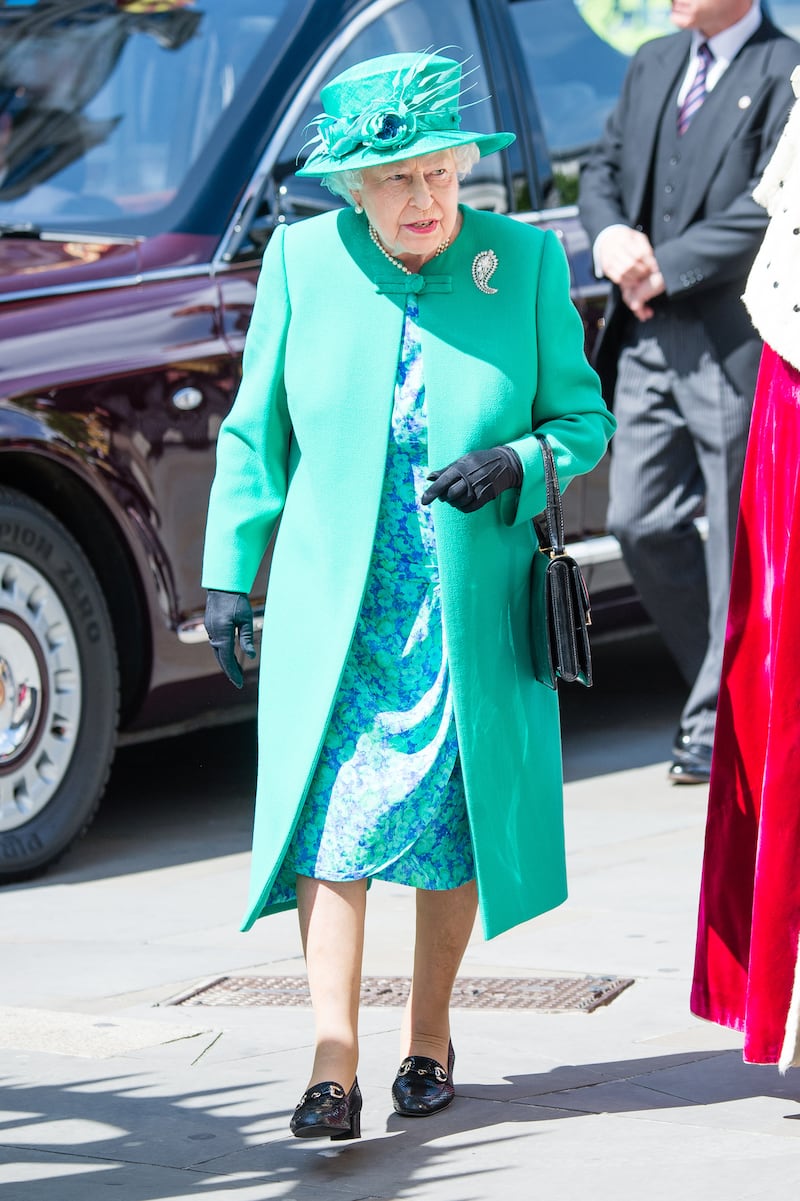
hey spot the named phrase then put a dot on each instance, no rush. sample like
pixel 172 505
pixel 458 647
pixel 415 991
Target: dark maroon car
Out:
pixel 146 152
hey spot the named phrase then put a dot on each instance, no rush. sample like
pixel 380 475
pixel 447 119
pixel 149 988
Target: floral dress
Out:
pixel 387 798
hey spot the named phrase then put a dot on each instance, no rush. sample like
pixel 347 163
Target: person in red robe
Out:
pixel 747 965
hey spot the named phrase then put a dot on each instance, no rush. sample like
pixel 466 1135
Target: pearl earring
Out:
pixel 359 208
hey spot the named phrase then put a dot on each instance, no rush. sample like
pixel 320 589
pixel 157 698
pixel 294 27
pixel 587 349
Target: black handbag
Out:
pixel 560 608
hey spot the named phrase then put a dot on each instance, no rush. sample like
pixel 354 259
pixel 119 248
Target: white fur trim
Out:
pixel 772 296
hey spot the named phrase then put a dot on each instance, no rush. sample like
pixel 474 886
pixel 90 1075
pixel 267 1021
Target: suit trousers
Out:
pixel 678 451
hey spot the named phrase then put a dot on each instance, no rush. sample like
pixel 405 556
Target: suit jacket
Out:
pixel 717 226
pixel 306 441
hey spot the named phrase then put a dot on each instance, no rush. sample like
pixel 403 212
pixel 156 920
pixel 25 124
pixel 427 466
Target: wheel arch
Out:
pixel 90 522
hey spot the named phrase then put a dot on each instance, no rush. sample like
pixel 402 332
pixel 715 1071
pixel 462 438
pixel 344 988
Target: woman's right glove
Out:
pixel 228 615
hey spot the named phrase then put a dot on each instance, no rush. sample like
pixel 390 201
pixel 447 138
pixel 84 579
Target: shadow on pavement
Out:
pixel 156 1147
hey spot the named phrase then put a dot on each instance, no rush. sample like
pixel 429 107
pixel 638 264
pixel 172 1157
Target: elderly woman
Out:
pixel 402 734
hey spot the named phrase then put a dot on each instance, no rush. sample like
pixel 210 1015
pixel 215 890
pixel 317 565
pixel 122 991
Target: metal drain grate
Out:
pixel 546 994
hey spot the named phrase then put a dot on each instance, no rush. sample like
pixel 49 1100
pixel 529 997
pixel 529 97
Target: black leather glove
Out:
pixel 228 614
pixel 476 478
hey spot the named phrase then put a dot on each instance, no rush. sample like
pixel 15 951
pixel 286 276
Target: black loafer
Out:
pixel 327 1111
pixel 422 1086
pixel 691 764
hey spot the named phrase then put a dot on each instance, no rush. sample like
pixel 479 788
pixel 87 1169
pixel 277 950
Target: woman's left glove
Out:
pixel 228 614
pixel 476 478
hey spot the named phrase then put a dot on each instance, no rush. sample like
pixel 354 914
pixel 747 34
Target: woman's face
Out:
pixel 413 204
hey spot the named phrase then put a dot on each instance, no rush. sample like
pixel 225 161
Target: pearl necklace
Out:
pixel 373 233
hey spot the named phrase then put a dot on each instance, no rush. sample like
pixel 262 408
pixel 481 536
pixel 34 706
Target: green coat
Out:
pixel 306 442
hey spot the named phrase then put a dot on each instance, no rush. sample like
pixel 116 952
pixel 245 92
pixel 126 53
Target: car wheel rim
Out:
pixel 40 692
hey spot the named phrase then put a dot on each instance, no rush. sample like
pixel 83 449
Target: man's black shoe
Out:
pixel 691 764
pixel 681 740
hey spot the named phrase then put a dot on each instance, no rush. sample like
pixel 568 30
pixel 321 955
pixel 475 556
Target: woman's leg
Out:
pixel 332 930
pixel 444 923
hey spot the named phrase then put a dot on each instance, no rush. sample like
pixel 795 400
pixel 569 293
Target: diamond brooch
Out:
pixel 484 266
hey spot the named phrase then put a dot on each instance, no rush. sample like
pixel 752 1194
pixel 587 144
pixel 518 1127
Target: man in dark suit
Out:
pixel 666 199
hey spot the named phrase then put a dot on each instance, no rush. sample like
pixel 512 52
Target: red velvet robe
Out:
pixel 749 918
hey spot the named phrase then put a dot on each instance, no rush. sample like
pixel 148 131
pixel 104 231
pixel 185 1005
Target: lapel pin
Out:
pixel 484 266
pixel 745 102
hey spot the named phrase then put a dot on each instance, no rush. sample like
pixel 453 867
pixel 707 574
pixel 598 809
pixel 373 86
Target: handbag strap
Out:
pixel 553 513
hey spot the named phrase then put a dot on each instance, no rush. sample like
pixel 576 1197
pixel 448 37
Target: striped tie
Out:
pixel 697 92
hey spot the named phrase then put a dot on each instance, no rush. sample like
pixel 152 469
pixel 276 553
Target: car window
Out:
pixel 626 24
pixel 105 106
pixel 408 26
pixel 575 73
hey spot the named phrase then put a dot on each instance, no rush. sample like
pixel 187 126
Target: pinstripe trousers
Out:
pixel 678 451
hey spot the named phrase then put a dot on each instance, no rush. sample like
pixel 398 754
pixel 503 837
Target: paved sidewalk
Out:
pixel 110 1091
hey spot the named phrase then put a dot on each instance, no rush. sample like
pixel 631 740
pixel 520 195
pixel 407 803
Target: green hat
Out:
pixel 390 108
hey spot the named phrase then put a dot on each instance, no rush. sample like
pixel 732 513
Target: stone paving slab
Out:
pixel 92 1036
pixel 42 1177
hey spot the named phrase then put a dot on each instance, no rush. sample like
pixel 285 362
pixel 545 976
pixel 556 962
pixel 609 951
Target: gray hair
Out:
pixel 344 183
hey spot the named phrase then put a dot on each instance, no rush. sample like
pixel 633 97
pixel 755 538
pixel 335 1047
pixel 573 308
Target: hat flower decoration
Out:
pixel 390 108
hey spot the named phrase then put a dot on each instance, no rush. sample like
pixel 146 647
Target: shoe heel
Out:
pixel 353 1132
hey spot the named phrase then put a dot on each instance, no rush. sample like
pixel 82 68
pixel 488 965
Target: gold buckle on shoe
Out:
pixel 333 1090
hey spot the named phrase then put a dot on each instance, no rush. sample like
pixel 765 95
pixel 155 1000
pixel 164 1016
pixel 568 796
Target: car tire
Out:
pixel 59 689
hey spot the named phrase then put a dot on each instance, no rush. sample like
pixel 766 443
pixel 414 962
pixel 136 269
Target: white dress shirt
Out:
pixel 724 46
